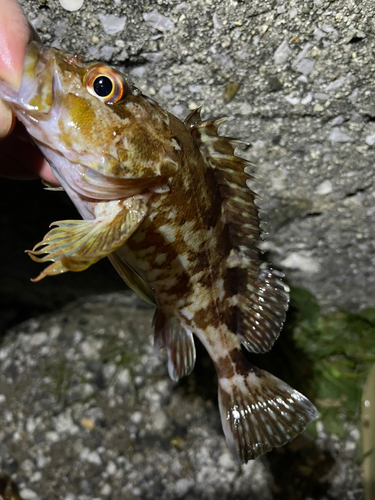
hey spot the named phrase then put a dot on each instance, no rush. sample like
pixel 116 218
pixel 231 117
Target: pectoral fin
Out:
pixel 75 245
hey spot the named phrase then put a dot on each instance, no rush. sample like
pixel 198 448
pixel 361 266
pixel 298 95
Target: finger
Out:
pixel 6 120
pixel 14 36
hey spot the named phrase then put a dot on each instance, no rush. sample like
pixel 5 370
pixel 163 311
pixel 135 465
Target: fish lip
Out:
pixel 35 95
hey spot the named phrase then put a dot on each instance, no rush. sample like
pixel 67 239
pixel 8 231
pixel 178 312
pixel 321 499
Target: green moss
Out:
pixel 340 350
pixel 60 374
pixel 327 358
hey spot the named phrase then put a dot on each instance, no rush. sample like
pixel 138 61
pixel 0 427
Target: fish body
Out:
pixel 168 203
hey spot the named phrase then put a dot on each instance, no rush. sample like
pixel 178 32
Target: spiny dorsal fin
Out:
pixel 193 117
pixel 258 299
pixel 178 340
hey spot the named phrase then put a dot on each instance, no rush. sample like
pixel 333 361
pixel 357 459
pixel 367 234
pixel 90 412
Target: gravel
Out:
pixel 88 411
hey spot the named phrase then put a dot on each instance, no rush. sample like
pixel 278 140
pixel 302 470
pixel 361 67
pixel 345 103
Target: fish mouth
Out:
pixel 40 85
pixel 21 100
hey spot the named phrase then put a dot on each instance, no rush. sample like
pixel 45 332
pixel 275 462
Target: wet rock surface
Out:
pixel 87 411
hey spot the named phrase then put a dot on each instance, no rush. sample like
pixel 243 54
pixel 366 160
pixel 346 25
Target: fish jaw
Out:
pixel 39 87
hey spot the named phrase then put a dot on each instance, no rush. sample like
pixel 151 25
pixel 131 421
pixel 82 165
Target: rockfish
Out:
pixel 167 202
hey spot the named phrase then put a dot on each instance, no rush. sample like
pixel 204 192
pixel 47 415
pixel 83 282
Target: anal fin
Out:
pixel 178 340
pixel 260 412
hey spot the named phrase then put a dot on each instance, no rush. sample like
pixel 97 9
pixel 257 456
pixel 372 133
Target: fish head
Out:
pixel 92 117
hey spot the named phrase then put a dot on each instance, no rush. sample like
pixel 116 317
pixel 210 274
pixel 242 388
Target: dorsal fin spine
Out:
pixel 261 291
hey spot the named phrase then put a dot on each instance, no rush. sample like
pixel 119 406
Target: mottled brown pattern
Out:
pixel 189 229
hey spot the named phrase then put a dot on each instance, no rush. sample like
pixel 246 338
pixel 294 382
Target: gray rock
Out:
pixel 282 53
pixel 370 139
pixel 337 135
pixel 305 66
pixel 336 84
pixel 139 435
pixel 140 432
pixel 112 24
pixel 158 21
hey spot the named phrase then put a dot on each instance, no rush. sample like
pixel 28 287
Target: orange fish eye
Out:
pixel 105 84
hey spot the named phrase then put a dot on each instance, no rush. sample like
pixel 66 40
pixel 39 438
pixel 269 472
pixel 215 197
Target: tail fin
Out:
pixel 260 412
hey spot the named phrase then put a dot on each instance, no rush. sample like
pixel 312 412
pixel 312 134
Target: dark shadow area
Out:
pixel 299 469
pixel 26 211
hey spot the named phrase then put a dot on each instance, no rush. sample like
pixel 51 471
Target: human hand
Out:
pixel 19 156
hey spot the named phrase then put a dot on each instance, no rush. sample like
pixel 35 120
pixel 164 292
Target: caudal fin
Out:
pixel 260 412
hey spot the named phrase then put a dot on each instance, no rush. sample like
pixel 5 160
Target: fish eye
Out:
pixel 105 84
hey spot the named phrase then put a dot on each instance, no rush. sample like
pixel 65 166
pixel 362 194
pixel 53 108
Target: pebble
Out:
pixel 307 99
pixel 337 121
pixel 282 53
pixel 318 34
pixel 321 97
pixel 160 420
pixel 90 456
pixel 28 494
pixel 337 135
pixel 195 88
pixel 111 468
pixel 123 377
pixel 336 84
pixel 292 100
pixel 324 187
pixel 112 24
pixel 370 139
pixel 167 91
pixel 318 107
pixel 158 21
pixel 182 486
pixel 38 339
pixel 305 66
pixel 217 24
pixel 354 95
pixel 71 5
pixel 178 110
pixel 107 52
pixel 245 108
pixel 64 423
pixel 302 54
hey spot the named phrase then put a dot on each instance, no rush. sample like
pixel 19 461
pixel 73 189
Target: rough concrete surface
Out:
pixel 296 80
pixel 305 103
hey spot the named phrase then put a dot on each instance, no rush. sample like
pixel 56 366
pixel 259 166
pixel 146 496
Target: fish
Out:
pixel 168 203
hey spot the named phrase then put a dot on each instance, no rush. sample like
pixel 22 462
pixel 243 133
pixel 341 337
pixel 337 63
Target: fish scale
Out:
pixel 168 203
